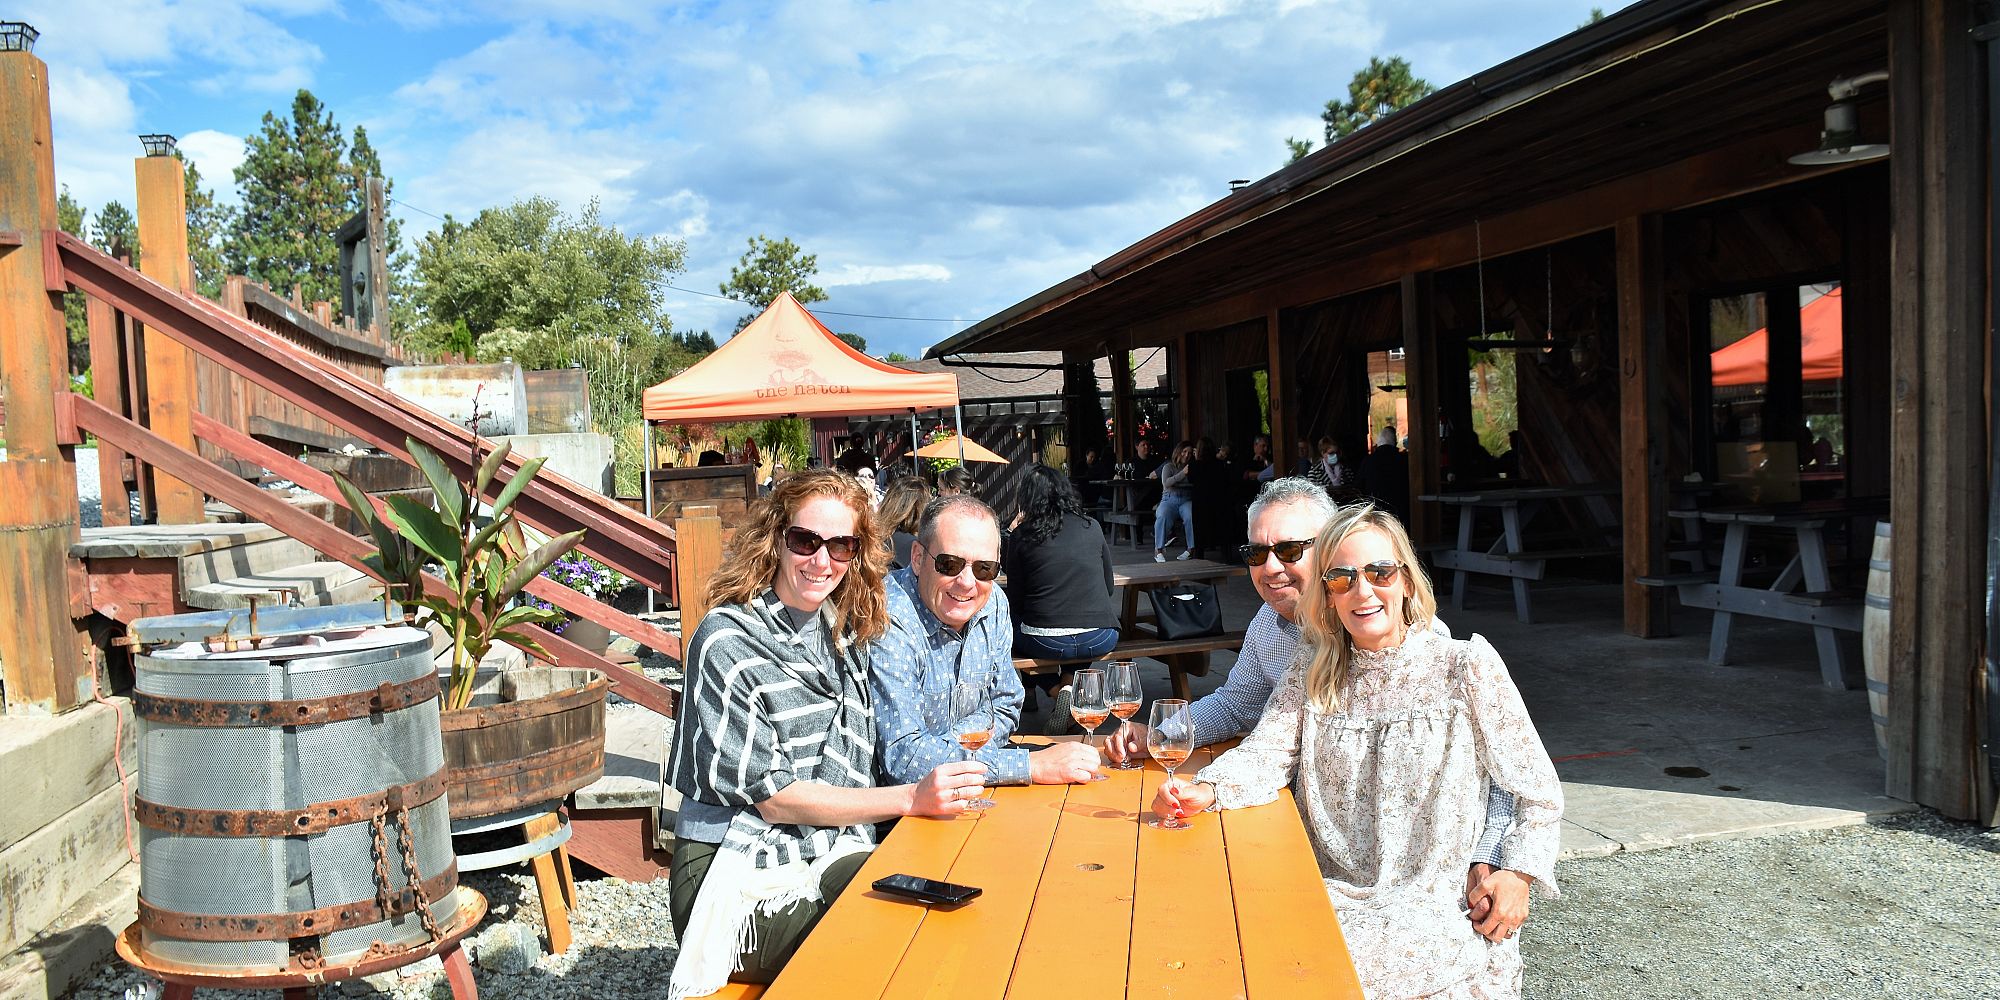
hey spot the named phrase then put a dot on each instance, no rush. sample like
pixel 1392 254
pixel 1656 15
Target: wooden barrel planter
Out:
pixel 503 757
pixel 1875 637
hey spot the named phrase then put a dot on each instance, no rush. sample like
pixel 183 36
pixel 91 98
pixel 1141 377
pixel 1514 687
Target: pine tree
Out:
pixel 297 189
pixel 1382 88
pixel 70 215
pixel 116 231
pixel 208 224
pixel 768 268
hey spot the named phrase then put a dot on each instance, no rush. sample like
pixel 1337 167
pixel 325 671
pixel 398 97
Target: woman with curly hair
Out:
pixel 774 752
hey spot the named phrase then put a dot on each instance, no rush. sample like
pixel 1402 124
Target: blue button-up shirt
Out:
pixel 913 667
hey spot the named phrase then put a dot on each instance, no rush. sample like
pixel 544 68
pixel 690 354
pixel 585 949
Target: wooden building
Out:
pixel 1600 204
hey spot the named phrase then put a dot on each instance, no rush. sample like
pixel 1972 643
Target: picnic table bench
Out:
pixel 1829 610
pixel 1509 556
pixel 1083 898
pixel 1138 639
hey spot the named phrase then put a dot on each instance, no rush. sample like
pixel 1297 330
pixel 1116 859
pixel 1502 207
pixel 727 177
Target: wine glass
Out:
pixel 1124 695
pixel 1086 704
pixel 972 726
pixel 1170 741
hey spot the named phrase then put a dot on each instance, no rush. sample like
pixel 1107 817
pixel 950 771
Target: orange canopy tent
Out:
pixel 787 364
pixel 1746 362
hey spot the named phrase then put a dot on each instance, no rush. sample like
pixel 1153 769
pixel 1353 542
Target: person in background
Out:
pixel 1059 583
pixel 901 510
pixel 1307 455
pixel 1145 463
pixel 1335 478
pixel 1176 502
pixel 774 754
pixel 957 481
pixel 1385 474
pixel 1258 467
pixel 948 625
pixel 1389 736
pixel 1211 483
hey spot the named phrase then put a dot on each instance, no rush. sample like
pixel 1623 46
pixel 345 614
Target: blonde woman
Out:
pixel 1388 735
pixel 774 754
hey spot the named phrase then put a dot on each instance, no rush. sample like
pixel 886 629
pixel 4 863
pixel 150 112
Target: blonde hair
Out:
pixel 903 503
pixel 750 564
pixel 1324 642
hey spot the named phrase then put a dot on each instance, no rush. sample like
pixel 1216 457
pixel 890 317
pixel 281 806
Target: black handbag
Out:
pixel 1186 610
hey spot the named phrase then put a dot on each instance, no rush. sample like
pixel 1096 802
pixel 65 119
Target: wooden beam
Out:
pixel 697 555
pixel 1420 374
pixel 1642 404
pixel 1122 416
pixel 1937 501
pixel 1184 385
pixel 170 382
pixel 1276 376
pixel 107 366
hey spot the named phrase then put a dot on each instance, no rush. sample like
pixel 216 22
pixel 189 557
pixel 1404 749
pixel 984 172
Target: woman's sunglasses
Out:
pixel 1288 552
pixel 805 542
pixel 1340 579
pixel 983 570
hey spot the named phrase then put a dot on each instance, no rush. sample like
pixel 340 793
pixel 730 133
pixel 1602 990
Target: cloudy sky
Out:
pixel 944 160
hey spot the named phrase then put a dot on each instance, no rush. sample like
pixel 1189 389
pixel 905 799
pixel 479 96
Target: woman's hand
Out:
pixel 1499 903
pixel 1180 797
pixel 1127 742
pixel 944 792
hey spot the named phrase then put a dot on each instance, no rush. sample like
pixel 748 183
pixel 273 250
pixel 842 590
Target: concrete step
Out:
pixel 264 555
pixel 75 945
pixel 318 584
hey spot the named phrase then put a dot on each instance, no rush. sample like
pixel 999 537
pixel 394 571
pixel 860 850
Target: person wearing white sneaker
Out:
pixel 1176 501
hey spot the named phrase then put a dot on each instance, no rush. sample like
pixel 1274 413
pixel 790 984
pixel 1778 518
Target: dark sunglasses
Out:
pixel 805 542
pixel 983 570
pixel 1340 579
pixel 1288 552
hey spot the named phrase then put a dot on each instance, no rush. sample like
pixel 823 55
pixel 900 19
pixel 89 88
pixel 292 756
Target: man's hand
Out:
pixel 1127 742
pixel 1478 902
pixel 1063 763
pixel 1180 798
pixel 944 792
pixel 1503 896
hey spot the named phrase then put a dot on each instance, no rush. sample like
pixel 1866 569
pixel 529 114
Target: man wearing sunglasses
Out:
pixel 1284 518
pixel 949 624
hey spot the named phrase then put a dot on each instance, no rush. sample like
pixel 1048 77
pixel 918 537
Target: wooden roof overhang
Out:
pixel 1666 104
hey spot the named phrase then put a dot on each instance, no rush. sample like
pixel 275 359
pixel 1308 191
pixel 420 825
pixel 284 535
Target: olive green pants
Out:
pixel 779 934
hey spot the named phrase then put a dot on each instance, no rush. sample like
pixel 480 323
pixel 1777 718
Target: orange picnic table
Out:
pixel 1084 898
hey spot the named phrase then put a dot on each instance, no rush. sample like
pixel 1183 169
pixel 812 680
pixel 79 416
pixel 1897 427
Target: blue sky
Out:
pixel 944 160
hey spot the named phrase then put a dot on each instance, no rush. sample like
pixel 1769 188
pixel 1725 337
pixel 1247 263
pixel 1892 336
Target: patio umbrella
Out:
pixel 949 448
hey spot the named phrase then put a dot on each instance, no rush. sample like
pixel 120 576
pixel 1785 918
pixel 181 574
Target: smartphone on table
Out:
pixel 926 890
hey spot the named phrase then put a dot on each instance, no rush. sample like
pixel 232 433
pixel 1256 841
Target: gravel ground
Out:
pixel 1908 908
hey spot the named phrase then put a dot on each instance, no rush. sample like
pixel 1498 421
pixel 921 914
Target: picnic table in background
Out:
pixel 1508 555
pixel 1126 510
pixel 1082 897
pixel 1141 577
pixel 1822 605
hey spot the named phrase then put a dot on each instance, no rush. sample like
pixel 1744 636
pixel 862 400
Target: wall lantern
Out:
pixel 17 36
pixel 158 144
pixel 1839 140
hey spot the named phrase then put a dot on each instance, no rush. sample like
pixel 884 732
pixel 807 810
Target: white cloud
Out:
pixel 217 155
pixel 874 274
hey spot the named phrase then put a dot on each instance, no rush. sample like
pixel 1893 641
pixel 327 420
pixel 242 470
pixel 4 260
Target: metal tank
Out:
pixel 291 788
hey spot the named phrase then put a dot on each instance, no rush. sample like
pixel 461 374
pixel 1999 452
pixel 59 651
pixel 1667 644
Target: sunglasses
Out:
pixel 983 570
pixel 1340 579
pixel 1288 552
pixel 805 542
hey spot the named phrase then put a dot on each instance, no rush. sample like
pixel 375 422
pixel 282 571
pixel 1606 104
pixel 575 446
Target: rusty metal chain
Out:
pixel 379 847
pixel 416 881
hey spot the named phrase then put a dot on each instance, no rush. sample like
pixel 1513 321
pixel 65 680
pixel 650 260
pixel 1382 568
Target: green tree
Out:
pixel 696 343
pixel 70 215
pixel 896 357
pixel 1298 148
pixel 768 268
pixel 1596 15
pixel 116 231
pixel 297 182
pixel 208 225
pixel 1377 91
pixel 854 340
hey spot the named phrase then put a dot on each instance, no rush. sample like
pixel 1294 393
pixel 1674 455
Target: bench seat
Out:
pixel 1676 579
pixel 1825 598
pixel 1581 553
pixel 1183 657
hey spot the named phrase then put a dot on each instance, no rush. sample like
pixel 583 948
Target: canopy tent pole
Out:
pixel 914 443
pixel 646 487
pixel 958 421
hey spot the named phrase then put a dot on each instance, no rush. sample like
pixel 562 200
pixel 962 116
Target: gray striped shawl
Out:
pixel 765 707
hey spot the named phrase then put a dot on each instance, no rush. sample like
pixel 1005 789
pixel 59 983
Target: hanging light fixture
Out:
pixel 1839 141
pixel 1484 341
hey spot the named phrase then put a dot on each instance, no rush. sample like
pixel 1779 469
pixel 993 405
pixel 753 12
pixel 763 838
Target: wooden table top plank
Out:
pixel 1292 945
pixel 1183 925
pixel 966 952
pixel 1153 574
pixel 1079 934
pixel 862 938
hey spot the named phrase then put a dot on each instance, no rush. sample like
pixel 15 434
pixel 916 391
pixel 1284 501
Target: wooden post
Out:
pixel 1642 404
pixel 107 366
pixel 1937 502
pixel 378 265
pixel 1079 389
pixel 170 387
pixel 42 669
pixel 1275 373
pixel 1420 375
pixel 697 554
pixel 1184 388
pixel 1123 420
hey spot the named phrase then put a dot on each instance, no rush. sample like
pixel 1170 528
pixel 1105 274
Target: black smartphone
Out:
pixel 926 890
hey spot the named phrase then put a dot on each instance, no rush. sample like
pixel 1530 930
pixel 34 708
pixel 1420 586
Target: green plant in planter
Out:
pixel 485 562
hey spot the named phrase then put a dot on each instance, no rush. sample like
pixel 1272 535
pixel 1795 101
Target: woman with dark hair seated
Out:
pixel 1058 569
pixel 774 754
pixel 901 512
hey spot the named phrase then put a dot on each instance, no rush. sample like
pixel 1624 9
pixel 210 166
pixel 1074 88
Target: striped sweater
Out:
pixel 766 706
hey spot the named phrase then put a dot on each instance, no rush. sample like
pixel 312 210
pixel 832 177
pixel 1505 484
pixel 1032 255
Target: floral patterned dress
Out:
pixel 1392 789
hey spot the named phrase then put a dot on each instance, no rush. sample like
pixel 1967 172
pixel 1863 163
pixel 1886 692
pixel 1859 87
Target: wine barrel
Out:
pixel 1875 637
pixel 534 747
pixel 291 794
